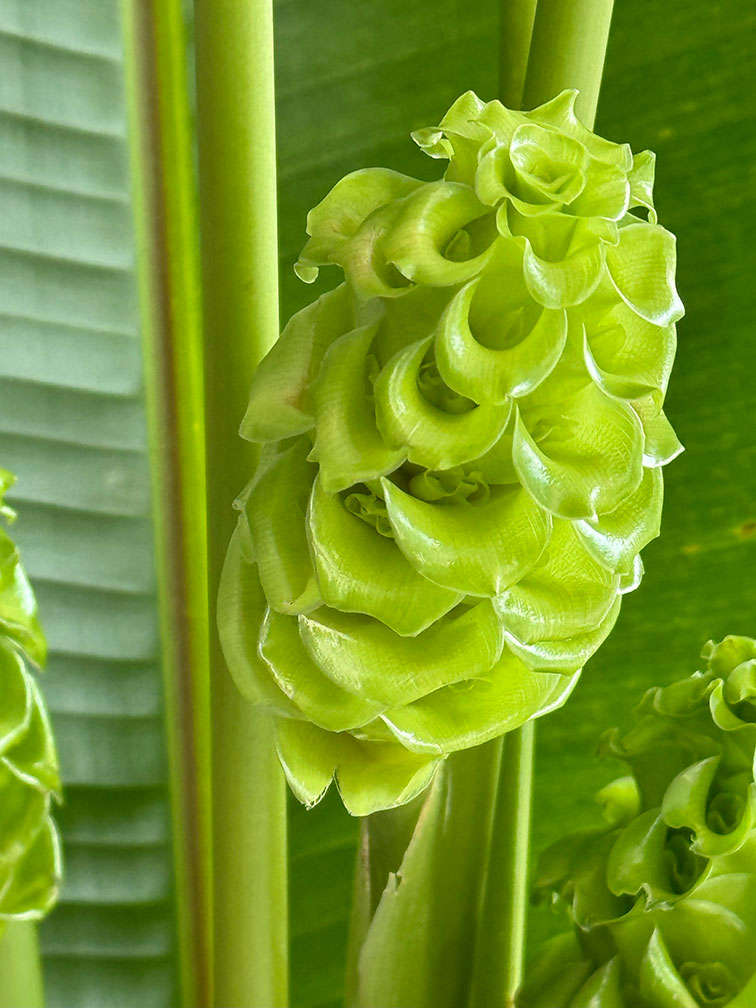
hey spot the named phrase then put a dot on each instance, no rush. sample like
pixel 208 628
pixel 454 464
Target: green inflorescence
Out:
pixel 461 450
pixel 30 861
pixel 663 895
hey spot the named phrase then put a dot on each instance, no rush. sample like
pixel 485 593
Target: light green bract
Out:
pixel 663 895
pixel 461 450
pixel 30 860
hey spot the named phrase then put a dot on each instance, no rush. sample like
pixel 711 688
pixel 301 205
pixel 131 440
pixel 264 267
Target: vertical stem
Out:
pixel 567 51
pixel 502 922
pixel 20 971
pixel 163 187
pixel 236 138
pixel 412 944
pixel 515 31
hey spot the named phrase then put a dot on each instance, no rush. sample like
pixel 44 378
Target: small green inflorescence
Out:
pixel 663 895
pixel 462 450
pixel 30 861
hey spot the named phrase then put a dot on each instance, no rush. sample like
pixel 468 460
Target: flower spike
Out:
pixel 461 450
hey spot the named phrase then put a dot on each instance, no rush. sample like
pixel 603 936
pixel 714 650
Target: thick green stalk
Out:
pixel 502 922
pixel 165 202
pixel 411 945
pixel 236 137
pixel 515 31
pixel 567 51
pixel 20 971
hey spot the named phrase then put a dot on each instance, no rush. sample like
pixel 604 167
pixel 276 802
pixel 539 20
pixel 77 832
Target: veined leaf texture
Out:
pixel 72 426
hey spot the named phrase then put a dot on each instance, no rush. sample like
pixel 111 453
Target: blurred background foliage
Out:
pixel 353 80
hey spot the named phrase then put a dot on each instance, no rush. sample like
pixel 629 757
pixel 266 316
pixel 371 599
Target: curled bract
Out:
pixel 461 450
pixel 30 860
pixel 663 895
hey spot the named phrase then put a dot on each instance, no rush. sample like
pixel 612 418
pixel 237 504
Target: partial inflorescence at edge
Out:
pixel 30 859
pixel 662 896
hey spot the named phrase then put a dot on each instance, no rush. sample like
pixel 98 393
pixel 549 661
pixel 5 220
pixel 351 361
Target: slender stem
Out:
pixel 251 931
pixel 384 839
pixel 20 970
pixel 567 51
pixel 236 138
pixel 515 31
pixel 165 211
pixel 502 922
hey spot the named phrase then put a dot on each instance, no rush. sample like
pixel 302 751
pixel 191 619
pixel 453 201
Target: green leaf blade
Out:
pixel 73 425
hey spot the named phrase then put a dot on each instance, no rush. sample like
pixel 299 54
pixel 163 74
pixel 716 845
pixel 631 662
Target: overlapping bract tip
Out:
pixel 30 859
pixel 461 450
pixel 663 895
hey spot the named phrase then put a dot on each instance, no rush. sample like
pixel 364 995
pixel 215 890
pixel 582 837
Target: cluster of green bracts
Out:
pixel 29 846
pixel 461 450
pixel 663 896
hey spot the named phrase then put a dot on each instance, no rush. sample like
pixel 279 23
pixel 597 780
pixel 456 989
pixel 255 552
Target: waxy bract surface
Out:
pixel 462 450
pixel 663 896
pixel 30 862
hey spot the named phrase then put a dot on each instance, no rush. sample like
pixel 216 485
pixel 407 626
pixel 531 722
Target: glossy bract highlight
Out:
pixel 461 450
pixel 30 860
pixel 663 895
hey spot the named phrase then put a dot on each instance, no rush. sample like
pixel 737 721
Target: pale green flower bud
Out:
pixel 461 450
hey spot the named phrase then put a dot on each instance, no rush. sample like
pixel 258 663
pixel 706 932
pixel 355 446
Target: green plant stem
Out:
pixel 502 921
pixel 165 204
pixel 567 51
pixel 236 139
pixel 20 970
pixel 515 31
pixel 410 945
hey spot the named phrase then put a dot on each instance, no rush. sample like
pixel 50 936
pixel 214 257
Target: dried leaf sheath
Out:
pixel 461 452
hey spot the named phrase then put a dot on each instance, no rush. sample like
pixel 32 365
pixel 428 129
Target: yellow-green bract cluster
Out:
pixel 663 896
pixel 30 865
pixel 461 450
